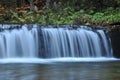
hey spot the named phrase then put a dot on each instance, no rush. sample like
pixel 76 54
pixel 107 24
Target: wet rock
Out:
pixel 115 41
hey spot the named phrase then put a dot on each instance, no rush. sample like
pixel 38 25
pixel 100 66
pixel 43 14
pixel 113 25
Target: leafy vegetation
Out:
pixel 60 11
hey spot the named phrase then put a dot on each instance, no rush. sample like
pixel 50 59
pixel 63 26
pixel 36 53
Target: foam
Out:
pixel 52 60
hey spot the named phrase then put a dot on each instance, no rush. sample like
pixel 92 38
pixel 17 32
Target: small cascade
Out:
pixel 18 43
pixel 26 42
pixel 61 42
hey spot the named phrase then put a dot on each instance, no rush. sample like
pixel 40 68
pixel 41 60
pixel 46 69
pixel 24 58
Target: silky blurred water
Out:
pixel 61 71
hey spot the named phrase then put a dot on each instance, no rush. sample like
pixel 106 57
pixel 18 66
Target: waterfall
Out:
pixel 52 43
pixel 61 42
pixel 19 43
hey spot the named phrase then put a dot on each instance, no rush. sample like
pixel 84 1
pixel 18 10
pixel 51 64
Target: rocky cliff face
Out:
pixel 115 41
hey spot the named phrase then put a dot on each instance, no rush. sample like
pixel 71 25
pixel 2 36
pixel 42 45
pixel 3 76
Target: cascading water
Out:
pixel 19 43
pixel 75 43
pixel 22 45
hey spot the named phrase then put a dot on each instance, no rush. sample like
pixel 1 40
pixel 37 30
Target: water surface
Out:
pixel 61 71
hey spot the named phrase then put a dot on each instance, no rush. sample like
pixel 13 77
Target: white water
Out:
pixel 75 43
pixel 19 43
pixel 53 60
pixel 60 45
